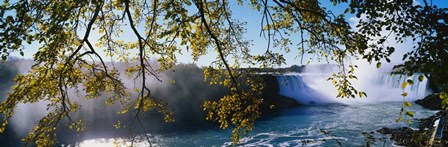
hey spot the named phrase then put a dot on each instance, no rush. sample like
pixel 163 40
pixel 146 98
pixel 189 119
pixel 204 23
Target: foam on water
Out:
pixel 301 126
pixel 300 137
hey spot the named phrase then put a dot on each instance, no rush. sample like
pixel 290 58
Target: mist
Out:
pixel 378 83
pixel 182 88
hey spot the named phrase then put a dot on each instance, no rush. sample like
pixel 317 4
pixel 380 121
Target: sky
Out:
pixel 259 43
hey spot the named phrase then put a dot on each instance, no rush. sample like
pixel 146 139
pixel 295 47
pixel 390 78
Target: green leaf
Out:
pixel 410 82
pixel 361 94
pixel 421 78
pixel 347 10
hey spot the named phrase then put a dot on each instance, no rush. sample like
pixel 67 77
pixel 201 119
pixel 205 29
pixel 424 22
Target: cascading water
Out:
pixel 295 87
pixel 418 89
pixel 309 89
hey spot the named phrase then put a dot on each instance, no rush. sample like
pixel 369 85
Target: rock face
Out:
pixel 406 136
pixel 432 102
pixel 271 97
pixel 428 122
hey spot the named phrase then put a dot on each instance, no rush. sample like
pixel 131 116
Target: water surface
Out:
pixel 301 126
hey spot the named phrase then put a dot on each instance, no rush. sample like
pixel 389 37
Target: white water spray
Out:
pixel 312 86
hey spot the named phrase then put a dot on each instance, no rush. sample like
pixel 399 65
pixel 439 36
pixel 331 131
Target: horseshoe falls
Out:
pixel 315 89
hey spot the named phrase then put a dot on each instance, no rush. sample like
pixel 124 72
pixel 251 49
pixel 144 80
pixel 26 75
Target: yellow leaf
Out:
pixel 404 94
pixel 403 85
pixel 410 113
pixel 407 104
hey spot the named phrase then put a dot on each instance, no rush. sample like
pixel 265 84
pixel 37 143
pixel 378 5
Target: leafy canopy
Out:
pixel 67 59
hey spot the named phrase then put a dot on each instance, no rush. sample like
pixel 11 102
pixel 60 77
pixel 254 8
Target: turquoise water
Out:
pixel 299 126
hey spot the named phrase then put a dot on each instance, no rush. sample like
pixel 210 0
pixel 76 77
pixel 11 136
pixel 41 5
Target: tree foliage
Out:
pixel 67 59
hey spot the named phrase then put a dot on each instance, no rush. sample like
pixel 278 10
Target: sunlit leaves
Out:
pixel 403 85
pixel 117 125
pixel 3 127
pixel 399 119
pixel 240 108
pixel 444 97
pixel 404 94
pixel 66 59
pixel 406 113
pixel 407 104
pixel 341 81
pixel 41 84
pixel 410 113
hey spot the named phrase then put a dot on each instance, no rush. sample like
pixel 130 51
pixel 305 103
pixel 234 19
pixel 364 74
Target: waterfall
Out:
pixel 418 89
pixel 295 87
pixel 311 89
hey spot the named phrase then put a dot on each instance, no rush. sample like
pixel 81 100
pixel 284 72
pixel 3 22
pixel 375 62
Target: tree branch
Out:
pixel 199 4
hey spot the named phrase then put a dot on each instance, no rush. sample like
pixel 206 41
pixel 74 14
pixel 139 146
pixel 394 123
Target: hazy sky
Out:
pixel 253 19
